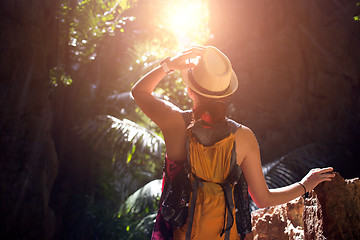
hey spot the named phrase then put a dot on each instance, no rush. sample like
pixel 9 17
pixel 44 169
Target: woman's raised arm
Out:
pixel 157 110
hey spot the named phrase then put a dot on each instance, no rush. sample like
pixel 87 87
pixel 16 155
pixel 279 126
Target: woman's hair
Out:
pixel 210 110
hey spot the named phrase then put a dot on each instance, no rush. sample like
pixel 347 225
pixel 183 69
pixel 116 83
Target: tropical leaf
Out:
pixel 139 211
pixel 294 165
pixel 115 136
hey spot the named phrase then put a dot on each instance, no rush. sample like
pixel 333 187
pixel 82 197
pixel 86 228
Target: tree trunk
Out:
pixel 28 160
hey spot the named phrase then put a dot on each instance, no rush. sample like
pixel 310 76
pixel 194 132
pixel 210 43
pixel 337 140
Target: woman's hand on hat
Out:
pixel 316 176
pixel 181 61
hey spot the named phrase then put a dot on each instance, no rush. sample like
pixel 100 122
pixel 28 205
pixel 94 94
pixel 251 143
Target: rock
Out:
pixel 279 222
pixel 332 210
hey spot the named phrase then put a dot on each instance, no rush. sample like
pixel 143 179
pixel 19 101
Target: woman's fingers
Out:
pixel 326 170
pixel 318 175
pixel 190 65
pixel 180 61
pixel 193 53
pixel 326 174
pixel 322 170
pixel 327 177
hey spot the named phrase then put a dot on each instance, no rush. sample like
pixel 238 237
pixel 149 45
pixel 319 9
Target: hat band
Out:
pixel 204 90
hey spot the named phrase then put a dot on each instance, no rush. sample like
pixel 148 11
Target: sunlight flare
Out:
pixel 188 21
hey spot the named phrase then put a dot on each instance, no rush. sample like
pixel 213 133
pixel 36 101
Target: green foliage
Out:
pixel 175 91
pixel 139 211
pixel 357 18
pixel 88 21
pixel 58 76
pixel 104 47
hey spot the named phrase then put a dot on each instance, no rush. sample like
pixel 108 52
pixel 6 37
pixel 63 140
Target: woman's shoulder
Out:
pixel 245 135
pixel 241 129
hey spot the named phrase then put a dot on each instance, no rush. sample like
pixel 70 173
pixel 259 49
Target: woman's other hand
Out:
pixel 316 176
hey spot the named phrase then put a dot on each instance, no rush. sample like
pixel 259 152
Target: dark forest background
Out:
pixel 74 146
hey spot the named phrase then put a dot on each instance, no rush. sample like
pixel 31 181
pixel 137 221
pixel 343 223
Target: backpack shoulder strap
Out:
pixel 232 125
pixel 187 116
pixel 240 193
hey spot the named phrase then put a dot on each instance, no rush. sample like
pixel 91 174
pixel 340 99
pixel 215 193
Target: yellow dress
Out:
pixel 211 163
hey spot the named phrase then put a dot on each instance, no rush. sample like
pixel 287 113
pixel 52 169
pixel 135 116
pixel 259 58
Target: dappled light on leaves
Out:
pixel 58 75
pixel 85 22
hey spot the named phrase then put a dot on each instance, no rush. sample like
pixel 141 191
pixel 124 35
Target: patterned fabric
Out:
pixel 162 229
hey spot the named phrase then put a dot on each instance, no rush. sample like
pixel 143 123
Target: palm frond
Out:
pixel 293 166
pixel 117 136
pixel 129 154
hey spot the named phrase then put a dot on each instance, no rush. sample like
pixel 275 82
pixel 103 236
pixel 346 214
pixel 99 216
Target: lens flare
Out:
pixel 188 21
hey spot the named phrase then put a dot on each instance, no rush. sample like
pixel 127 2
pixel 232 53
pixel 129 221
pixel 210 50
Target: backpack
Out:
pixel 175 205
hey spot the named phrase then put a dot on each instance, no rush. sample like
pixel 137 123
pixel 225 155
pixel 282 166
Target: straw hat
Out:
pixel 213 76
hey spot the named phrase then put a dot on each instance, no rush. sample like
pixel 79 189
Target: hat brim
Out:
pixel 231 89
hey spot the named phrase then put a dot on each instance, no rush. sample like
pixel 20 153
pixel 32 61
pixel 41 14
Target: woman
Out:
pixel 209 82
